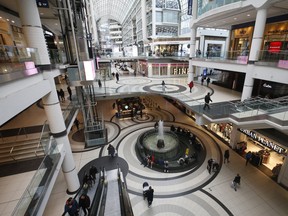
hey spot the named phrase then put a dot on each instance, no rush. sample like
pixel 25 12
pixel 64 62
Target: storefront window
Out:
pixel 163 70
pixel 264 151
pixel 155 69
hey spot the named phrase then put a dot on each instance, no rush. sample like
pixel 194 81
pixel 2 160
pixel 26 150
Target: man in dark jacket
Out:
pixel 236 181
pixel 207 100
pixel 84 203
pixel 150 195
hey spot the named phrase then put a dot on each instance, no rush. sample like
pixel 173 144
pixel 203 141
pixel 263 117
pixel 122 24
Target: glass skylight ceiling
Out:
pixel 118 9
pixel 113 9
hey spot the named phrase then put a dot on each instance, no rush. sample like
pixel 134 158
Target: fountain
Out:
pixel 160 141
pixel 168 145
pixel 163 144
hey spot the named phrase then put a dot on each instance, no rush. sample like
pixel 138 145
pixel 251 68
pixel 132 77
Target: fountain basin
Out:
pixel 149 140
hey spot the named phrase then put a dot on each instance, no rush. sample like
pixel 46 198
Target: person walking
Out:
pixel 207 100
pixel 71 207
pixel 117 76
pixel 248 157
pixel 202 80
pixel 226 156
pixel 150 196
pixel 209 165
pixel 84 203
pixel 77 123
pixel 99 83
pixel 163 86
pixel 62 95
pixel 208 81
pixel 191 85
pixel 236 181
pixel 92 172
pixel 69 92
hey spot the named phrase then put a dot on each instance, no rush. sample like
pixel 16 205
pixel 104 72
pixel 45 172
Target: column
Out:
pixel 235 137
pixel 283 175
pixel 227 45
pixel 254 52
pixel 58 130
pixel 143 18
pixel 192 54
pixel 258 34
pixel 192 40
pixel 153 19
pixel 32 29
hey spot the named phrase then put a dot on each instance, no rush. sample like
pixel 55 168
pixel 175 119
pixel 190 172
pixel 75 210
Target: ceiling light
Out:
pixel 13 21
pixel 7 20
pixel 248 15
pixel 56 23
pixel 235 18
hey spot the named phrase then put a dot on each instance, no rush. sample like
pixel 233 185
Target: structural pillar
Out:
pixel 153 18
pixel 235 137
pixel 32 29
pixel 143 18
pixel 254 51
pixel 192 41
pixel 58 130
pixel 227 45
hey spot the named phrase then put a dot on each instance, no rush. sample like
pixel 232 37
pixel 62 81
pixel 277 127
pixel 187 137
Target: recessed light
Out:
pixel 235 18
pixel 248 15
pixel 41 13
pixel 13 21
pixel 8 20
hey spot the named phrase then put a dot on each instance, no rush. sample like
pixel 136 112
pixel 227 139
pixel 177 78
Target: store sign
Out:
pixel 242 59
pixel 263 141
pixel 42 3
pixel 179 71
pixel 275 46
pixel 283 64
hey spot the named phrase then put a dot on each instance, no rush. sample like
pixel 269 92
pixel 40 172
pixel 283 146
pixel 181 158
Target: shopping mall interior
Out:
pixel 145 91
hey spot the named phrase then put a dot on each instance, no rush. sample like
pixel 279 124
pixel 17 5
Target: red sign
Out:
pixel 275 46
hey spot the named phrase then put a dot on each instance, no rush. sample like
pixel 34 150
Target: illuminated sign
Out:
pixel 275 46
pixel 263 141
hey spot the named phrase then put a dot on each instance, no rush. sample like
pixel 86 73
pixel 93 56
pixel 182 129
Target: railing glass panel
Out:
pixel 34 193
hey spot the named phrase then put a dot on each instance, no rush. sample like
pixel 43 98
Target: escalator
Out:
pixel 106 202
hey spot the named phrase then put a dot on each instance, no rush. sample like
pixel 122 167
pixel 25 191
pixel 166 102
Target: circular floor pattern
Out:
pixel 184 182
pixel 146 117
pixel 170 88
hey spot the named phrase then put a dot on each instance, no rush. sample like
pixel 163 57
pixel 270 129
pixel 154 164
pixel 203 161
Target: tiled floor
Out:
pixel 195 192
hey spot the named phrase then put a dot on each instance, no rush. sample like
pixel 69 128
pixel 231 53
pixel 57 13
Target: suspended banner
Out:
pixel 189 11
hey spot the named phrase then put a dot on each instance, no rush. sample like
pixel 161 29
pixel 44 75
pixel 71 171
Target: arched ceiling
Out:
pixel 118 9
pixel 114 9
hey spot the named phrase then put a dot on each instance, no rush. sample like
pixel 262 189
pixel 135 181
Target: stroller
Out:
pixel 145 189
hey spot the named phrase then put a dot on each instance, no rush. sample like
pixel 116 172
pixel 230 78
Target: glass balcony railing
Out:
pixel 34 193
pixel 214 4
pixel 14 54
